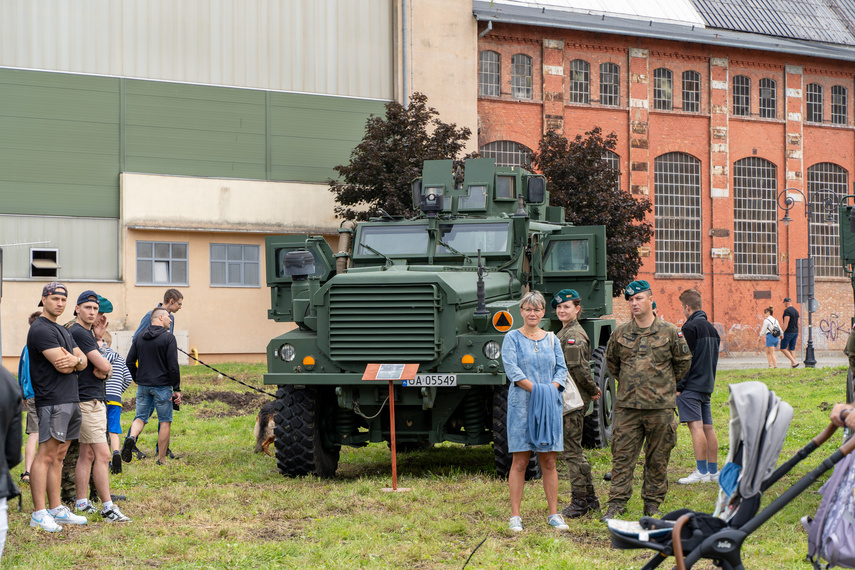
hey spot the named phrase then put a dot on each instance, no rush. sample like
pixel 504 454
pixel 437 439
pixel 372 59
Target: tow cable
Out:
pixel 229 377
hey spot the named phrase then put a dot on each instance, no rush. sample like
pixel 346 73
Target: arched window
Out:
pixel 692 91
pixel 768 99
pixel 489 73
pixel 580 84
pixel 741 96
pixel 521 80
pixel 827 184
pixel 839 106
pixel 663 96
pixel 613 160
pixel 755 225
pixel 677 211
pixel 507 153
pixel 609 84
pixel 814 103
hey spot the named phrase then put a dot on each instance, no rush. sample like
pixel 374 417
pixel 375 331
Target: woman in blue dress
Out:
pixel 533 356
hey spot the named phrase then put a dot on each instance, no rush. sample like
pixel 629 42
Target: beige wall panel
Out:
pixel 337 47
pixel 443 60
pixel 175 202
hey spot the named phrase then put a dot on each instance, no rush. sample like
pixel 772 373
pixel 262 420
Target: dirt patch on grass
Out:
pixel 236 404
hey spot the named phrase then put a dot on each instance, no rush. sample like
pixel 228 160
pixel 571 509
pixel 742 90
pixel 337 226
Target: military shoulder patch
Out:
pixel 571 341
pixel 685 348
pixel 680 334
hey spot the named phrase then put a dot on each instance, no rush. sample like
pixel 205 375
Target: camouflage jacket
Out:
pixel 577 356
pixel 849 350
pixel 647 364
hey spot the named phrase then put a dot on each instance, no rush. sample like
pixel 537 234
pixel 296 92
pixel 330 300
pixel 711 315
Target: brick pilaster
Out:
pixel 639 111
pixel 553 85
pixel 720 202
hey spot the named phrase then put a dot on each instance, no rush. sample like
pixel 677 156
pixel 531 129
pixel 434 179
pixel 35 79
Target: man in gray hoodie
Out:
pixel 158 381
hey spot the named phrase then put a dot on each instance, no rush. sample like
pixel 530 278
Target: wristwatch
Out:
pixel 79 360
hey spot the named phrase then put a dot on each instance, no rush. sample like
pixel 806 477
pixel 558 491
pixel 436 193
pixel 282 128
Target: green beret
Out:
pixel 634 288
pixel 564 295
pixel 104 305
pixel 654 305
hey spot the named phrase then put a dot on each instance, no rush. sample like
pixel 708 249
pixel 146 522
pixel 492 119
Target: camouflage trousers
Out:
pixel 578 469
pixel 657 429
pixel 68 490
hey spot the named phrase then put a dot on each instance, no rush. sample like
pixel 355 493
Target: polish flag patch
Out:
pixel 680 334
pixel 571 341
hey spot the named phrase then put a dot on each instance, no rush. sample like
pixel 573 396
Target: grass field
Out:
pixel 222 506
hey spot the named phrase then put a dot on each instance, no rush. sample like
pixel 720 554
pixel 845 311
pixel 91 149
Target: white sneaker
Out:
pixel 714 477
pixel 557 522
pixel 65 516
pixel 46 523
pixel 515 524
pixel 695 477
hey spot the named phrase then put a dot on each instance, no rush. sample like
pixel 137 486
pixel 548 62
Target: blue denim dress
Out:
pixel 540 362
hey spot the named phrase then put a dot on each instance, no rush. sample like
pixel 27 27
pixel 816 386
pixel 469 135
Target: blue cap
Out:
pixel 87 296
pixel 564 295
pixel 635 288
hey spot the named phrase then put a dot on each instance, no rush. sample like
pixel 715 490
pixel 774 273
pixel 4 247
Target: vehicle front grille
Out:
pixel 375 323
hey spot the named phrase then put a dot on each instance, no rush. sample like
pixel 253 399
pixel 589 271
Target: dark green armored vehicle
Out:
pixel 440 290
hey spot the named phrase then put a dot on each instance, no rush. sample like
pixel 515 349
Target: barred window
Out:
pixel 489 73
pixel 677 211
pixel 662 89
pixel 609 84
pixel 755 225
pixel 507 153
pixel 580 84
pixel 768 99
pixel 613 160
pixel 741 96
pixel 814 103
pixel 692 91
pixel 521 76
pixel 839 108
pixel 826 180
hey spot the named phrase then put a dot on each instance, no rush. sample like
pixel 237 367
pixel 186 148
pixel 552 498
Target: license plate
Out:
pixel 432 380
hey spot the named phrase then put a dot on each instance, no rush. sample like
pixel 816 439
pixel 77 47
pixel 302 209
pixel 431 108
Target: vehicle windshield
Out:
pixel 469 238
pixel 393 240
pixel 567 255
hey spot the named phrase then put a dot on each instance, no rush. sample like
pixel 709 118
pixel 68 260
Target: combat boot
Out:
pixel 614 510
pixel 652 510
pixel 591 498
pixel 578 507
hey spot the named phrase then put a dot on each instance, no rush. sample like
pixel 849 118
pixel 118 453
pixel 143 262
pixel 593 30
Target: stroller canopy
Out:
pixel 759 422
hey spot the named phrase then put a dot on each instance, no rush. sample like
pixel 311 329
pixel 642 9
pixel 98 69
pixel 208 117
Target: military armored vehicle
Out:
pixel 440 290
pixel 846 227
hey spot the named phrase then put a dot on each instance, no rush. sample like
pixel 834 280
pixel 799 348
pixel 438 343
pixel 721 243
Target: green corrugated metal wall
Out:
pixel 65 138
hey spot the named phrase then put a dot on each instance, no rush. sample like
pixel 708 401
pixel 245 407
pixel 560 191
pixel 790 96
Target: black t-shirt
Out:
pixel 49 385
pixel 89 386
pixel 793 323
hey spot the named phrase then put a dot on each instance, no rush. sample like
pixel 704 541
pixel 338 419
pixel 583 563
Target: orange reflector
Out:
pixel 467 359
pixel 308 361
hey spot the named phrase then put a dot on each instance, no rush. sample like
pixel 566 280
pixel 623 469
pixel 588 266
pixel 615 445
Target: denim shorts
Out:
pixel 771 340
pixel 789 341
pixel 157 397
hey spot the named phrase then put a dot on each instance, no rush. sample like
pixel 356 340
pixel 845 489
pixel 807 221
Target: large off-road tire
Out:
pixel 597 429
pixel 299 434
pixel 500 438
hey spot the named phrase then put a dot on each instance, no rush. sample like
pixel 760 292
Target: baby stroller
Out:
pixel 758 426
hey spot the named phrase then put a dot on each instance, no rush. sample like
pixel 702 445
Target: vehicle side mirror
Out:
pixel 536 190
pixel 417 193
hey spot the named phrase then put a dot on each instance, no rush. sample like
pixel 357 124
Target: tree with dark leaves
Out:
pixel 383 166
pixel 589 190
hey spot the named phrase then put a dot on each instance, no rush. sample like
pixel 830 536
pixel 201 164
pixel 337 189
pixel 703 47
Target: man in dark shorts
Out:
pixel 790 323
pixel 94 449
pixel 55 361
pixel 696 387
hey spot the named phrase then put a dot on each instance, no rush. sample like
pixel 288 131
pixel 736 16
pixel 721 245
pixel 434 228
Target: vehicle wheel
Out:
pixel 500 438
pixel 597 430
pixel 299 434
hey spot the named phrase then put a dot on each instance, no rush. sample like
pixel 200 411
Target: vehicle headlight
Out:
pixel 287 352
pixel 493 350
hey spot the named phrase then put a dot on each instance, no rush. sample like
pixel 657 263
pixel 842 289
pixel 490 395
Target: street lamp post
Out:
pixel 786 205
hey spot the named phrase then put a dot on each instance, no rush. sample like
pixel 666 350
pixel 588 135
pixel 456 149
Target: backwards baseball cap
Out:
pixel 88 296
pixel 564 295
pixel 53 288
pixel 635 288
pixel 104 305
pixel 787 300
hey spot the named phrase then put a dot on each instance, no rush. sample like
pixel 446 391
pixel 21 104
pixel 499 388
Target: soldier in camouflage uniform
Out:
pixel 850 348
pixel 647 357
pixel 577 356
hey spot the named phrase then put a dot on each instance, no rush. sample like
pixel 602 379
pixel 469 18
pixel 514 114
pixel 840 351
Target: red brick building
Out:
pixel 716 127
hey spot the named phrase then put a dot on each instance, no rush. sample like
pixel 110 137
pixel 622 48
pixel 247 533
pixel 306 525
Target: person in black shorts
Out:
pixel 696 387
pixel 55 361
pixel 791 331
